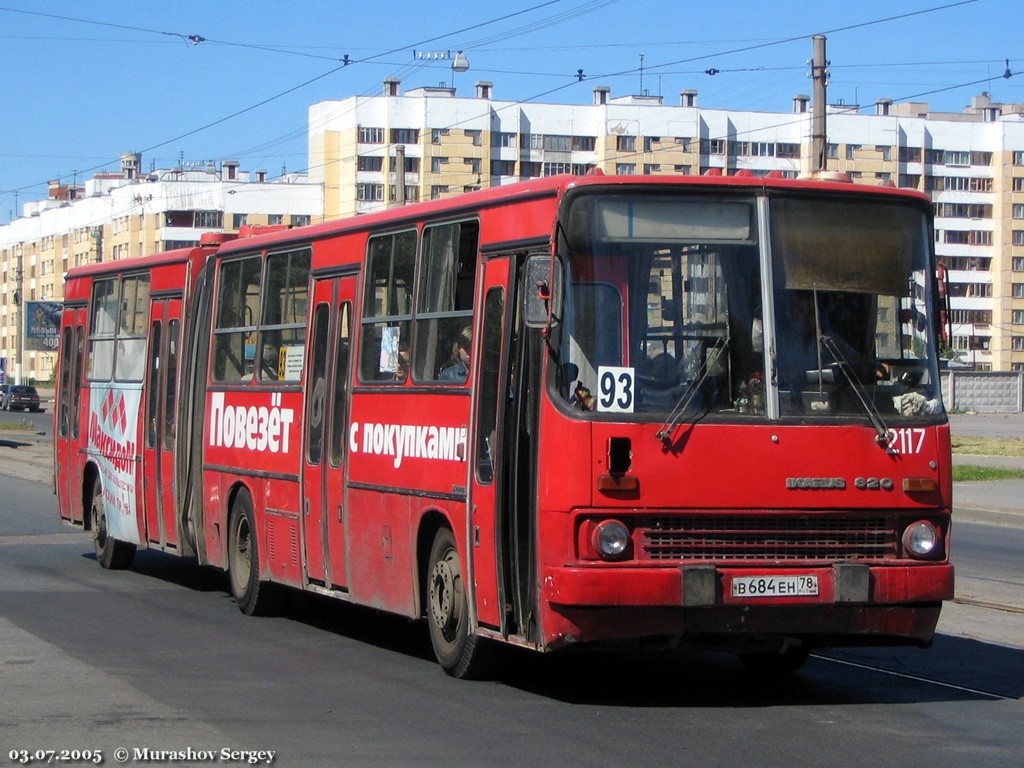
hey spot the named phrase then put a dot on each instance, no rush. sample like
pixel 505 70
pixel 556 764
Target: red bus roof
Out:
pixel 553 186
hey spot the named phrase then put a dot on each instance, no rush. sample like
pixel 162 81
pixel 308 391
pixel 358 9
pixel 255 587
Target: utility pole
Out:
pixel 399 175
pixel 819 74
pixel 19 328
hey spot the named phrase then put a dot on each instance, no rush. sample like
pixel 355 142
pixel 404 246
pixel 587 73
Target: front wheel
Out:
pixel 461 654
pixel 254 597
pixel 110 552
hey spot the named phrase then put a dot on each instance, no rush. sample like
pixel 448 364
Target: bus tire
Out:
pixel 461 654
pixel 254 596
pixel 111 553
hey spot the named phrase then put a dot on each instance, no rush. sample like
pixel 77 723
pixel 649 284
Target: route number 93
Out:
pixel 616 390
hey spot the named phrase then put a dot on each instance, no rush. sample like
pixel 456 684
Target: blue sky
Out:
pixel 83 82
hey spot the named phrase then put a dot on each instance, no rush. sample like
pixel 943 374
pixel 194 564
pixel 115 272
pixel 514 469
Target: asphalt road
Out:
pixel 160 658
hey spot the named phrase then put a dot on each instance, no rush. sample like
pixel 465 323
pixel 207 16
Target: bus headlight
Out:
pixel 921 539
pixel 611 539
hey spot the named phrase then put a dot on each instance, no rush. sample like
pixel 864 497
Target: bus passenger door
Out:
pixel 485 474
pixel 504 510
pixel 325 433
pixel 67 417
pixel 159 428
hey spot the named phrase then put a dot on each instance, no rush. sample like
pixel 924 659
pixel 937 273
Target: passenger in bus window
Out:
pixel 457 368
pixel 402 366
pixel 269 358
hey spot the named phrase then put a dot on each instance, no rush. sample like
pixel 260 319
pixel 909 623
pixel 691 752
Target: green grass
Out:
pixel 20 426
pixel 974 472
pixel 989 446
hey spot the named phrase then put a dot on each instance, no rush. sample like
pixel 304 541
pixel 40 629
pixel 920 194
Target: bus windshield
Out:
pixel 693 304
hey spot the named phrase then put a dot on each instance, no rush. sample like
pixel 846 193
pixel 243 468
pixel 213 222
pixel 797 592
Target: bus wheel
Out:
pixel 461 654
pixel 785 661
pixel 111 553
pixel 254 597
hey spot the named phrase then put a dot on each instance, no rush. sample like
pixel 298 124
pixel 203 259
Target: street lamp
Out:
pixel 459 64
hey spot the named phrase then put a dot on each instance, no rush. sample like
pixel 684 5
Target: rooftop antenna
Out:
pixel 641 74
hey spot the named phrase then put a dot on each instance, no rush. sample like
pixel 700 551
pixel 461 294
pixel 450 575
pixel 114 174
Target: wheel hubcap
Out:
pixel 446 594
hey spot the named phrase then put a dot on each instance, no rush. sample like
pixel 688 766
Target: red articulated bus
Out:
pixel 553 414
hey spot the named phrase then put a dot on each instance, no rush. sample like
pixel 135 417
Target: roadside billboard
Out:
pixel 42 325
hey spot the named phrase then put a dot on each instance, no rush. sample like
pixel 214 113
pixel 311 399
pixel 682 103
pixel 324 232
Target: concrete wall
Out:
pixel 983 391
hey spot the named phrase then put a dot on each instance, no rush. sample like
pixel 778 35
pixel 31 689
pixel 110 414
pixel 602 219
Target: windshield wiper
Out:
pixel 676 414
pixel 882 430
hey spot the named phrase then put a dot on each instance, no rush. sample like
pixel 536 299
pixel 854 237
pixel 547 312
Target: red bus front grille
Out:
pixel 765 537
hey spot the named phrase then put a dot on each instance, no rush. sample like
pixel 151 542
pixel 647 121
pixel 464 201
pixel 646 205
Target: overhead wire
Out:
pixel 571 79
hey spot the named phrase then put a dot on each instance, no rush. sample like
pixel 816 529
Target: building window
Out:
pixel 275 219
pixel 625 143
pixel 1018 343
pixel 1018 290
pixel 436 134
pixel 558 143
pixel 476 136
pixel 531 170
pixel 300 219
pixel 713 146
pixel 436 163
pixel 209 219
pixel 412 193
pixel 405 136
pixel 852 150
pixel 910 154
pixel 437 190
pixel 650 168
pixel 369 192
pixel 1018 264
pixel 584 143
pixel 371 135
pixel 239 220
pixel 369 163
pixel 503 168
pixel 791 151
pixel 507 140
pixel 625 169
pixel 1018 158
pixel 1018 317
pixel 411 164
pixel 963 210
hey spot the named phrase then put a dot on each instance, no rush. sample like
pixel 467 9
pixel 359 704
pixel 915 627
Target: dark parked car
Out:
pixel 19 397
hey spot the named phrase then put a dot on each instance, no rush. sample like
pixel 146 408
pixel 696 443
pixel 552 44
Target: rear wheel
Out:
pixel 254 597
pixel 460 653
pixel 110 552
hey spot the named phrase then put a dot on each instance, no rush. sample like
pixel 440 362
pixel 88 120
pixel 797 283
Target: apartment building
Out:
pixel 122 215
pixel 370 152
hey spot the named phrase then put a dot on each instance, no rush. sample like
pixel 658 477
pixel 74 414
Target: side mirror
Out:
pixel 542 291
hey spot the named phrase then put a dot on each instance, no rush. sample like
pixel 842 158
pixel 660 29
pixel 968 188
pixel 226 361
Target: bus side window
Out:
pixel 234 332
pixel 444 300
pixel 387 303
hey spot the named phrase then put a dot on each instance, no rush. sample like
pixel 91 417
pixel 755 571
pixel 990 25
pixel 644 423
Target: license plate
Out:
pixel 775 586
